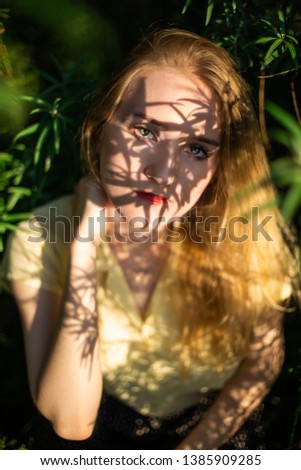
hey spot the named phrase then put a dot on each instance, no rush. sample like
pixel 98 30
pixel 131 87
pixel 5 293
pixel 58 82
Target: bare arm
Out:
pixel 244 391
pixel 61 341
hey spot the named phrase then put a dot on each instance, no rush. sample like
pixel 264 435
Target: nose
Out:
pixel 162 168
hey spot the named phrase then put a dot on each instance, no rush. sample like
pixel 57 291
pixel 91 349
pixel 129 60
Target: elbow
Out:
pixel 74 427
pixel 69 426
pixel 72 431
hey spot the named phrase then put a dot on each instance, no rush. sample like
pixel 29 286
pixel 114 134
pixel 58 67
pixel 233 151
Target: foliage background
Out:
pixel 52 57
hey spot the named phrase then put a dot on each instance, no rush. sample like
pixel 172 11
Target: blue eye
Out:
pixel 145 133
pixel 197 151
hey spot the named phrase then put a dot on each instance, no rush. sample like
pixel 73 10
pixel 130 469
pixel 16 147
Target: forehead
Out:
pixel 169 95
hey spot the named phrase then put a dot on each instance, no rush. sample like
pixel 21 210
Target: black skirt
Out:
pixel 120 427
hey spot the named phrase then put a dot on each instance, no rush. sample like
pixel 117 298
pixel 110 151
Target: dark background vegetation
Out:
pixel 52 55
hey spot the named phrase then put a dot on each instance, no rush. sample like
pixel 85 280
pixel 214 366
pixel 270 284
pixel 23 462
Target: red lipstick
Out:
pixel 151 197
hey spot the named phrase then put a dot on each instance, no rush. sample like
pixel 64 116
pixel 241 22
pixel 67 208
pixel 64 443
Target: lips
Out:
pixel 151 197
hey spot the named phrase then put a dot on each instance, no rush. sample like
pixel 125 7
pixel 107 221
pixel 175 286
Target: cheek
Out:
pixel 198 178
pixel 112 161
pixel 198 190
pixel 117 154
pixel 198 184
pixel 118 172
pixel 209 173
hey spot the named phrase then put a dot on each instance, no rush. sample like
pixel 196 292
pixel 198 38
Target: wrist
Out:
pixel 82 258
pixel 88 232
pixel 81 279
pixel 80 246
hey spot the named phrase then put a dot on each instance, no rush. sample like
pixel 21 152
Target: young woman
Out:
pixel 152 299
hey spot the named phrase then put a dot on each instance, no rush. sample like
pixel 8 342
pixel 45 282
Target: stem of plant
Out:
pixel 262 123
pixel 295 102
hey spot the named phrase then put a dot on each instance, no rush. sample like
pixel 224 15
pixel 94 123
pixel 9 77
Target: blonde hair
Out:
pixel 235 275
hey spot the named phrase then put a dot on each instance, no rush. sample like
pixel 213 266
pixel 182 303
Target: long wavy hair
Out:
pixel 233 271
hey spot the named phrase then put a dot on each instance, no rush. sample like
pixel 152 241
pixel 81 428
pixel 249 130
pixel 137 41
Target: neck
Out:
pixel 137 237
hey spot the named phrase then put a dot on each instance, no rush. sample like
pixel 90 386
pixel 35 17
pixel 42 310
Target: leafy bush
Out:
pixel 286 170
pixel 43 160
pixel 40 126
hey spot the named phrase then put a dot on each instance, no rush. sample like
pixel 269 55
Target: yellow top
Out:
pixel 140 358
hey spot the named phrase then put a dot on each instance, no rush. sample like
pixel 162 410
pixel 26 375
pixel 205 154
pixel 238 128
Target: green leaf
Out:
pixel 292 52
pixel 285 172
pixel 186 6
pixel 291 202
pixel 270 55
pixel 58 66
pixel 26 132
pixel 264 40
pixel 292 38
pixel 16 193
pixel 57 135
pixel 38 110
pixel 210 6
pixel 39 101
pixel 4 13
pixel 47 76
pixel 286 139
pixel 40 143
pixel 18 217
pixel 282 116
pixel 75 67
pixel 20 190
pixel 270 26
pixel 281 20
pixel 5 157
pixel 4 226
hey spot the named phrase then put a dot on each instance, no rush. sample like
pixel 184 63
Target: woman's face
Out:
pixel 160 149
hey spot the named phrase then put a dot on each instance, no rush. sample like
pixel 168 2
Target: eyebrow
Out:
pixel 149 119
pixel 207 140
pixel 200 138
